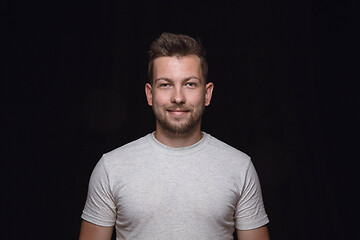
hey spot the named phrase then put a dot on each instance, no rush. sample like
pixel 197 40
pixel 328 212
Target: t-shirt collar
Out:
pixel 183 150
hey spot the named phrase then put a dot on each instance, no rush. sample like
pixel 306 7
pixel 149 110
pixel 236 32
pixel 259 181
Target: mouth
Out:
pixel 178 112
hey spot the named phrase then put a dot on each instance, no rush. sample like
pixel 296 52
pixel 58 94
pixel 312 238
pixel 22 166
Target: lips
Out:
pixel 177 111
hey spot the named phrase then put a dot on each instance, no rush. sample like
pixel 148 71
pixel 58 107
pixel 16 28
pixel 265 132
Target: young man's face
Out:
pixel 178 94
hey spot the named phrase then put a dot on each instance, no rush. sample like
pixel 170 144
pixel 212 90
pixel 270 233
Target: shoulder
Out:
pixel 224 148
pixel 128 150
pixel 227 152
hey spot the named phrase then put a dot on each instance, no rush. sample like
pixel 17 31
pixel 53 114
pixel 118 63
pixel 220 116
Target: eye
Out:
pixel 164 85
pixel 191 84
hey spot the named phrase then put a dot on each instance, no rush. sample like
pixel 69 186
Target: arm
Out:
pixel 91 231
pixel 99 214
pixel 260 233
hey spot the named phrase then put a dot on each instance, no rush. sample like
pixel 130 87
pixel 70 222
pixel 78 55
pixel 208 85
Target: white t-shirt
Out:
pixel 152 191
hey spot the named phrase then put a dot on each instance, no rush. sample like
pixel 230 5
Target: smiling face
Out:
pixel 178 94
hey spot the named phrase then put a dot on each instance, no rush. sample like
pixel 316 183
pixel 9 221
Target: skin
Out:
pixel 91 231
pixel 260 233
pixel 178 96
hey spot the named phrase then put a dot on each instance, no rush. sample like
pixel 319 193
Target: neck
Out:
pixel 176 140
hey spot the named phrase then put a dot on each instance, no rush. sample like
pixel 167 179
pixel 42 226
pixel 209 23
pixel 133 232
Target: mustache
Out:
pixel 177 108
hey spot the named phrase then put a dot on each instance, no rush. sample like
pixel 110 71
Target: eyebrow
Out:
pixel 184 80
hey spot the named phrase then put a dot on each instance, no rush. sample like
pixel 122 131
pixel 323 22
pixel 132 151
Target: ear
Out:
pixel 148 92
pixel 208 93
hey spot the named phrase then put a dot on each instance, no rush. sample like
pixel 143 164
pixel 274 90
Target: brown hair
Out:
pixel 169 44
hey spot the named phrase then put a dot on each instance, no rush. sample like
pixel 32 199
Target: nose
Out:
pixel 178 96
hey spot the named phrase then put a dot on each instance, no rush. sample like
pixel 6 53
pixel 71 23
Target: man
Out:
pixel 178 182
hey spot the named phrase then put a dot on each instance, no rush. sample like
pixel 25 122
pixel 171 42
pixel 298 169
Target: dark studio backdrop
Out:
pixel 73 89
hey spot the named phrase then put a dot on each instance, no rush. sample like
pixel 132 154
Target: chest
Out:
pixel 177 192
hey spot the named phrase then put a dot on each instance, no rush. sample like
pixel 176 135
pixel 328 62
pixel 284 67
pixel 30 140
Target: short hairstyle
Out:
pixel 169 44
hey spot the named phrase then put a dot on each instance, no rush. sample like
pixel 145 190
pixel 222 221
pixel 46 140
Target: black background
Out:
pixel 74 75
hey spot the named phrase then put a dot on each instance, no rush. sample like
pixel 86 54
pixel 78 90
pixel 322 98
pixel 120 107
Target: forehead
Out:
pixel 176 66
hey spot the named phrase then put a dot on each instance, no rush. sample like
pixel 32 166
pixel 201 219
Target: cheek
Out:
pixel 196 99
pixel 160 99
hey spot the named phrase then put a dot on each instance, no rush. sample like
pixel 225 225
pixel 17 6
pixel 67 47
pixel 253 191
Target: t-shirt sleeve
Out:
pixel 250 211
pixel 100 207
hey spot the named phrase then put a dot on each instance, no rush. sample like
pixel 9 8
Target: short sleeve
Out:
pixel 250 212
pixel 100 208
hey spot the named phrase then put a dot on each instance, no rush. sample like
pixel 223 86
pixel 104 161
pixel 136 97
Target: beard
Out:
pixel 177 128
